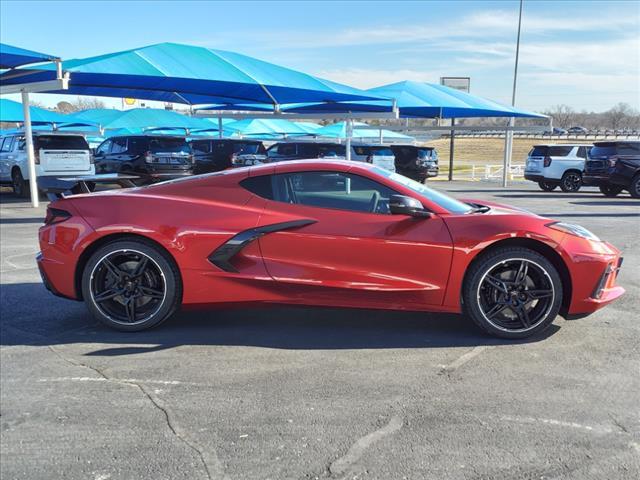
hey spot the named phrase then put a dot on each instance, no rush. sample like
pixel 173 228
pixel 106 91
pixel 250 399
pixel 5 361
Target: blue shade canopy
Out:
pixel 141 118
pixel 339 130
pixel 264 127
pixel 12 57
pixel 193 75
pixel 414 99
pixel 11 111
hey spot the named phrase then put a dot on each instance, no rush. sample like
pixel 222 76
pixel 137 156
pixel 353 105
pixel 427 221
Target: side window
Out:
pixel 628 149
pixel 335 190
pixel 261 186
pixel 307 150
pixel 287 149
pixel 137 146
pixel 22 143
pixel 7 144
pixel 119 145
pixel 582 152
pixel 104 147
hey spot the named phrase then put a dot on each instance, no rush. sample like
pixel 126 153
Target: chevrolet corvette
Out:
pixel 319 233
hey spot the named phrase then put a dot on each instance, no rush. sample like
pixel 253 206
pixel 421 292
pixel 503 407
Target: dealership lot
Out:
pixel 320 393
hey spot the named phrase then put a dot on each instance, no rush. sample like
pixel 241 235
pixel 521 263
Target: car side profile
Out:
pixel 319 233
pixel 213 155
pixel 56 155
pixel 551 166
pixel 152 156
pixel 601 168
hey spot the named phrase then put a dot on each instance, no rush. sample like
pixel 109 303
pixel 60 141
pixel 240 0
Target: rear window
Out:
pixel 60 142
pixel 169 145
pixel 550 151
pixel 249 148
pixel 201 147
pixel 381 151
pixel 328 151
pixel 606 149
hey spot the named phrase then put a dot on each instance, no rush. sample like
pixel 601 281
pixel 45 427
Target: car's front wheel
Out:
pixel 512 292
pixel 131 285
pixel 19 184
pixel 571 182
pixel 610 190
pixel 547 186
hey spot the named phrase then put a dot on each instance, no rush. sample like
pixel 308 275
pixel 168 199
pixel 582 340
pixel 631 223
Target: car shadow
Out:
pixel 5 220
pixel 47 320
pixel 611 203
pixel 587 215
pixel 565 196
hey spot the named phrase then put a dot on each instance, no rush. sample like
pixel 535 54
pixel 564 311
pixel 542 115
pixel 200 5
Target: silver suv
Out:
pixel 557 165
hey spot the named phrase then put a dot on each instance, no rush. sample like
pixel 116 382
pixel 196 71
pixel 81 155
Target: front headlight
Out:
pixel 573 229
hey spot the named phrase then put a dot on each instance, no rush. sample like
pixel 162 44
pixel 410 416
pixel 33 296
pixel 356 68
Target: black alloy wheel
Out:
pixel 513 293
pixel 131 285
pixel 547 186
pixel 20 187
pixel 571 182
pixel 610 190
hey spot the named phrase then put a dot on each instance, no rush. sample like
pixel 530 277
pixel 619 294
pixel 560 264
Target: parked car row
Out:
pixel 612 166
pixel 157 157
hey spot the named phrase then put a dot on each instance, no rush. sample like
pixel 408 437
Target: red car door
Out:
pixel 352 251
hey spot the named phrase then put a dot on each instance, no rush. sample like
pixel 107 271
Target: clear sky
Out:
pixel 580 53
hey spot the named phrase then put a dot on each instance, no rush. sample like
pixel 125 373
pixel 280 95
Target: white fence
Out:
pixel 481 172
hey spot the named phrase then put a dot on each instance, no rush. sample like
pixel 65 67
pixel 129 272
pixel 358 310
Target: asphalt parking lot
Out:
pixel 291 393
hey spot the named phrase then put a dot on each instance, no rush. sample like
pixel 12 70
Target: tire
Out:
pixel 20 186
pixel 506 306
pixel 547 186
pixel 634 188
pixel 131 300
pixel 571 181
pixel 610 190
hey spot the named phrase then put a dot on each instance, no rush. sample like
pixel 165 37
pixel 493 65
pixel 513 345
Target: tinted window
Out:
pixel 582 152
pixel 603 150
pixel 201 147
pixel 551 151
pixel 60 142
pixel 425 153
pixel 335 190
pixel 249 148
pixel 104 147
pixel 629 149
pixel 137 146
pixel 119 145
pixel 445 201
pixel 286 149
pixel 306 150
pixel 328 151
pixel 169 145
pixel 261 186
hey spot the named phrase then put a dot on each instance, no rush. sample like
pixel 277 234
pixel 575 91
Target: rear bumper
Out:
pixel 595 180
pixel 534 177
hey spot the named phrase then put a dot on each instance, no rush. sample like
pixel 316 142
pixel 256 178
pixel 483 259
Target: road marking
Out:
pixel 122 380
pixel 558 423
pixel 18 267
pixel 342 464
pixel 464 358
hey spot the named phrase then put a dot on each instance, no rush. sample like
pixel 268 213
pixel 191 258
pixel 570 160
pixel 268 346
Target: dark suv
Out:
pixel 213 155
pixel 417 163
pixel 153 156
pixel 299 150
pixel 602 164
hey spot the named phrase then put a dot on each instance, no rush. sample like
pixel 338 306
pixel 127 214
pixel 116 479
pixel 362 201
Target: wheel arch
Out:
pixel 113 237
pixel 543 249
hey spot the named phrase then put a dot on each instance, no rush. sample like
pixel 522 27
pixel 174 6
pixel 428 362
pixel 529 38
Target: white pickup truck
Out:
pixel 57 155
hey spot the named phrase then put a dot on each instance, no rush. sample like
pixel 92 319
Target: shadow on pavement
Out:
pixel 47 320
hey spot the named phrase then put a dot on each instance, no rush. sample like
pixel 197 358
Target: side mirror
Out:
pixel 403 205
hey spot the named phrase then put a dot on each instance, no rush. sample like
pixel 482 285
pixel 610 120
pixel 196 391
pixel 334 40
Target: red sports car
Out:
pixel 326 233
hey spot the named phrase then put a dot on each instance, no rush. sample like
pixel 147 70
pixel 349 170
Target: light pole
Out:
pixel 508 137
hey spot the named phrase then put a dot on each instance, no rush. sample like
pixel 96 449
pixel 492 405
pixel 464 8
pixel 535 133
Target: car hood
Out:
pixel 499 208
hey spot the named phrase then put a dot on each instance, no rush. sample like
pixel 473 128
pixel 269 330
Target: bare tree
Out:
pixel 619 115
pixel 79 104
pixel 563 115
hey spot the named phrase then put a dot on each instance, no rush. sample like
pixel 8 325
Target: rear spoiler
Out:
pixel 60 187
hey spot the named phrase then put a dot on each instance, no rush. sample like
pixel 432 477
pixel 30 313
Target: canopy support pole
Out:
pixel 453 122
pixel 347 143
pixel 31 158
pixel 219 126
pixel 381 138
pixel 508 137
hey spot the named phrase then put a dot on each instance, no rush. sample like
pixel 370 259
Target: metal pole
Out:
pixel 508 137
pixel 347 143
pixel 219 126
pixel 453 122
pixel 381 138
pixel 31 158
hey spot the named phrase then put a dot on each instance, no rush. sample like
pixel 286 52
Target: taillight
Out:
pixel 547 161
pixel 148 157
pixel 56 215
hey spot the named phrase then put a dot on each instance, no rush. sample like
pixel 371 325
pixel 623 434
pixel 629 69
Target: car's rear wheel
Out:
pixel 20 186
pixel 571 181
pixel 131 285
pixel 547 186
pixel 512 292
pixel 610 190
pixel 634 188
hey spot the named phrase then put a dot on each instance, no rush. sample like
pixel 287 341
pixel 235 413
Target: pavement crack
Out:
pixel 343 465
pixel 158 405
pixel 618 423
pixel 462 359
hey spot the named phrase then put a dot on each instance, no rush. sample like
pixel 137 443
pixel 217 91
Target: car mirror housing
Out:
pixel 404 205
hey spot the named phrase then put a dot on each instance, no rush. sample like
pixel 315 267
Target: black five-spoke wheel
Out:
pixel 513 292
pixel 131 285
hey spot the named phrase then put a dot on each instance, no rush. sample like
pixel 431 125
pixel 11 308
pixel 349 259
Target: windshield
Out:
pixel 445 201
pixel 173 145
pixel 249 149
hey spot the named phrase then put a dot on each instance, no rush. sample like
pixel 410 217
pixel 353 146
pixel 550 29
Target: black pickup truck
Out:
pixel 614 166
